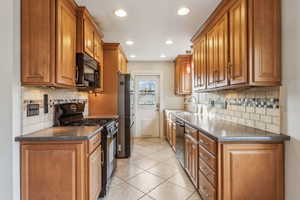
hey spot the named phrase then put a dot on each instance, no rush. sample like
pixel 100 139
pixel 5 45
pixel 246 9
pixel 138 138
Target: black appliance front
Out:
pixel 180 142
pixel 109 145
pixel 124 140
pixel 87 72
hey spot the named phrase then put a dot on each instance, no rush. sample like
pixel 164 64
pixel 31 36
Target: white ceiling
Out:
pixel 149 24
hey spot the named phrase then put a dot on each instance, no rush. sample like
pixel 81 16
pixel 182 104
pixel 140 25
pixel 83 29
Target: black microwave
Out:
pixel 87 72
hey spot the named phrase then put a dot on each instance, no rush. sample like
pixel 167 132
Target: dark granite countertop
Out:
pixel 225 131
pixel 62 133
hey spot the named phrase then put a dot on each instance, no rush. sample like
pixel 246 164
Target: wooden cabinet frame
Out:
pixel 44 26
pixel 253 45
pixel 183 75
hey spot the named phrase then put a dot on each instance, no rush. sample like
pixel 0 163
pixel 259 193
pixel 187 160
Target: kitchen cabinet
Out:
pixel 268 180
pixel 170 130
pixel 66 169
pixel 95 174
pixel 191 153
pixel 217 54
pixel 238 65
pixel 200 63
pixel 111 71
pixel 122 62
pixel 48 43
pixel 89 41
pixel 242 46
pixel 89 37
pixel 183 75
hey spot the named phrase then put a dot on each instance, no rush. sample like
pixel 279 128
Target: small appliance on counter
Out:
pixel 71 114
pixel 126 116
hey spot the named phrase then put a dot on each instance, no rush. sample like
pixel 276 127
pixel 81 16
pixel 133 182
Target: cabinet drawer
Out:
pixel 208 172
pixel 192 132
pixel 94 142
pixel 206 190
pixel 209 144
pixel 208 158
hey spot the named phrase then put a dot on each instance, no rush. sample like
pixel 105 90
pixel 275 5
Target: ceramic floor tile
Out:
pixel 195 196
pixel 124 192
pixel 128 172
pixel 145 181
pixel 146 163
pixel 151 173
pixel 182 180
pixel 146 198
pixel 170 191
pixel 116 181
pixel 163 170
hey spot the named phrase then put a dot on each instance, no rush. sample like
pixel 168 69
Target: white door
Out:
pixel 147 105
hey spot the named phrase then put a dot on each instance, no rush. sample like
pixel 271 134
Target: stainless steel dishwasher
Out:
pixel 180 146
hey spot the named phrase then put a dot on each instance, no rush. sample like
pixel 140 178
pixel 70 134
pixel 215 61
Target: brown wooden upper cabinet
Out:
pixel 48 49
pixel 183 74
pixel 122 62
pixel 238 46
pixel 89 40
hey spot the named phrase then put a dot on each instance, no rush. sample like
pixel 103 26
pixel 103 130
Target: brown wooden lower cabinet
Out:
pixel 60 170
pixel 235 170
pixel 170 132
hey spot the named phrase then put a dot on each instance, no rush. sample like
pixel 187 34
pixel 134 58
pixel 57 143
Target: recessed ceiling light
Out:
pixel 169 42
pixel 132 56
pixel 163 56
pixel 121 13
pixel 183 11
pixel 129 42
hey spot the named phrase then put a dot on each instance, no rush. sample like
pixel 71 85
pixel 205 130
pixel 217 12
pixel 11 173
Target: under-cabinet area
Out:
pixel 227 161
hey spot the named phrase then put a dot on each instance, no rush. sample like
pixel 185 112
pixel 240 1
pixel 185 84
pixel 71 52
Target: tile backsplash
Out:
pixel 254 107
pixel 35 95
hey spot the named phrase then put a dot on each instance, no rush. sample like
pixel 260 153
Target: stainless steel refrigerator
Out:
pixel 126 115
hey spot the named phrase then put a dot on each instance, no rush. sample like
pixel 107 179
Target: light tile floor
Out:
pixel 151 173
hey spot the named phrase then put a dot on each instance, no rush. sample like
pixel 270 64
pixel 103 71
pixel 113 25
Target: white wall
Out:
pixel 10 108
pixel 291 94
pixel 166 69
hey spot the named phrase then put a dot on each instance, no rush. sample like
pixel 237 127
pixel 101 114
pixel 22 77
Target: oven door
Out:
pixel 111 153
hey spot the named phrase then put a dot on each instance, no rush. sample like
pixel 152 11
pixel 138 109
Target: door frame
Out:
pixel 161 94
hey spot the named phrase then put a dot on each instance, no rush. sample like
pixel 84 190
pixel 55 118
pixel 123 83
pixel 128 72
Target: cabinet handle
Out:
pixel 102 157
pixel 229 68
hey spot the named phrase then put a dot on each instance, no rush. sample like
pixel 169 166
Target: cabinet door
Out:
pixel 211 54
pixel 177 77
pixel 187 154
pixel 66 44
pixel 95 174
pixel 195 65
pixel 194 162
pixel 264 41
pixel 88 37
pixel 238 67
pixel 263 180
pixel 187 76
pixel 202 63
pixel 38 42
pixel 221 50
pixel 52 171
